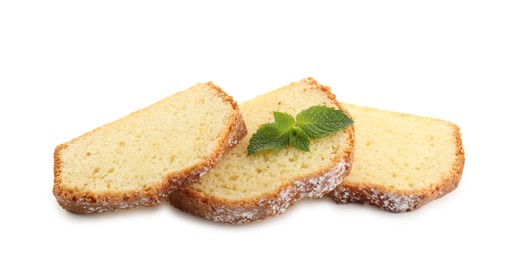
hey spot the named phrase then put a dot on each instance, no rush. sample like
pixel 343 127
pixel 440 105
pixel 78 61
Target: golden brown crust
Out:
pixel 84 202
pixel 402 201
pixel 267 205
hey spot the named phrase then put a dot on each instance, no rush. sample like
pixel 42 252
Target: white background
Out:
pixel 67 67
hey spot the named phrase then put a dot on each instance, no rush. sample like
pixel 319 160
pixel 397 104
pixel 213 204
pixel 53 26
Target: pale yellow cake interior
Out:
pixel 238 176
pixel 140 149
pixel 400 151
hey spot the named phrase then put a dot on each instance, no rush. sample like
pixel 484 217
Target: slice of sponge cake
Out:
pixel 401 161
pixel 139 159
pixel 244 188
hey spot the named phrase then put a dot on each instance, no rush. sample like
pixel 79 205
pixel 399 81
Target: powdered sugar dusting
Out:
pixel 314 187
pixel 84 206
pixel 239 130
pixel 387 200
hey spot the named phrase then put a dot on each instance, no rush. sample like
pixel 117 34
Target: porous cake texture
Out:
pixel 244 188
pixel 139 159
pixel 402 161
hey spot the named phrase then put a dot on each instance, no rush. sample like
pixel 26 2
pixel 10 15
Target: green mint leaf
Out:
pixel 299 139
pixel 314 122
pixel 268 137
pixel 284 121
pixel 320 121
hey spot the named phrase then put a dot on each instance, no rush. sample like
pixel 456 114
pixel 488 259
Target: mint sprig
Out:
pixel 314 122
